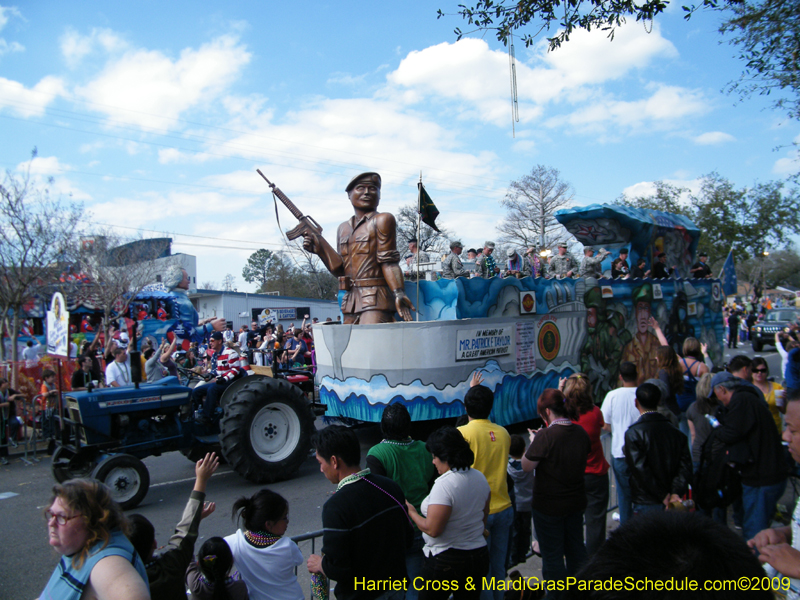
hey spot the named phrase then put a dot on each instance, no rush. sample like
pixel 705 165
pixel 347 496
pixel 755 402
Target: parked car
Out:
pixel 776 320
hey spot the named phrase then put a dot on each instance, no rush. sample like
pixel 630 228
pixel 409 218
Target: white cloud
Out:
pixel 172 205
pixel 49 172
pixel 712 138
pixel 590 57
pixel 5 47
pixel 74 46
pixel 148 89
pixel 665 106
pixel 648 188
pixel 466 71
pixel 789 164
pixel 29 102
pixel 6 12
pixel 478 78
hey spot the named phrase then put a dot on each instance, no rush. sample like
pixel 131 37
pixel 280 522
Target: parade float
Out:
pixel 523 335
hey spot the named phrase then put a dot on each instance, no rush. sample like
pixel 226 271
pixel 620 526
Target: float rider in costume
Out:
pixel 366 259
pixel 188 328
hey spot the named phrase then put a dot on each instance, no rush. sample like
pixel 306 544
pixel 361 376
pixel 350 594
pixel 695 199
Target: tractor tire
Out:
pixel 127 478
pixel 65 465
pixel 266 431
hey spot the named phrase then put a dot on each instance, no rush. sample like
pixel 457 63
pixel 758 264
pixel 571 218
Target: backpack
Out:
pixel 716 482
pixel 689 394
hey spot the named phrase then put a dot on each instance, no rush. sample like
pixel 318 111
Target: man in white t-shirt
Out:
pixel 118 373
pixel 619 413
pixel 31 354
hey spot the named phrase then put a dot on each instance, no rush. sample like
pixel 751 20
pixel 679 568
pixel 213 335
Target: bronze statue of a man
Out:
pixel 366 259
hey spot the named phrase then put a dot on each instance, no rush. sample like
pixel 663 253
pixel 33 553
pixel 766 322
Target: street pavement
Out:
pixel 27 560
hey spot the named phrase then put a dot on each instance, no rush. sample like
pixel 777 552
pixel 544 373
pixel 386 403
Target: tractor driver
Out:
pixel 225 369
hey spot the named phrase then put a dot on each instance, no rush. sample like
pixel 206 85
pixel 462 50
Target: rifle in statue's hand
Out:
pixel 307 224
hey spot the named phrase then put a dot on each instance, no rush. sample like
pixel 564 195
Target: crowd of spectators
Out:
pixel 458 508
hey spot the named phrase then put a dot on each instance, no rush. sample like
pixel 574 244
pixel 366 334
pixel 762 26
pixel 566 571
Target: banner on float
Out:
pixel 480 343
pixel 58 327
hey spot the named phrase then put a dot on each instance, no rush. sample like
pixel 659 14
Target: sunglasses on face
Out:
pixel 759 370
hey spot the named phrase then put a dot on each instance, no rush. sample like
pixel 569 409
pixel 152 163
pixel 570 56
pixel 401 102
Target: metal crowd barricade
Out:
pixel 303 576
pixel 25 413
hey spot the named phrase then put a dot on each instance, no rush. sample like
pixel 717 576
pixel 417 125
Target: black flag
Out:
pixel 427 209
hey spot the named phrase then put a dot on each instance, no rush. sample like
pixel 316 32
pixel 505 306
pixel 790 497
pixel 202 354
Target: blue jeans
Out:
pixel 623 478
pixel 560 542
pixel 499 527
pixel 759 507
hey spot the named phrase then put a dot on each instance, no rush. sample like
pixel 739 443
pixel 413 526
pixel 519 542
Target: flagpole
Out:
pixel 419 226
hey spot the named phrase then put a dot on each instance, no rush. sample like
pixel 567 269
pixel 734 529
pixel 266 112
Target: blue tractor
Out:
pixel 264 430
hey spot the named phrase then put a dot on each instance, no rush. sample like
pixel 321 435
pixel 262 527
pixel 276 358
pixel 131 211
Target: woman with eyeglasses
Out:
pixel 88 529
pixel 266 558
pixel 773 392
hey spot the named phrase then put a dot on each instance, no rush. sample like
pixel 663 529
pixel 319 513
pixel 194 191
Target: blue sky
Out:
pixel 156 115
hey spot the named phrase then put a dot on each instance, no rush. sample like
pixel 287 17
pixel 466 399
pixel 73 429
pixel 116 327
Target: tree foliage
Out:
pixel 531 202
pixel 257 268
pixel 37 234
pixel 778 268
pixel 504 17
pixel 281 272
pixel 767 35
pixel 750 220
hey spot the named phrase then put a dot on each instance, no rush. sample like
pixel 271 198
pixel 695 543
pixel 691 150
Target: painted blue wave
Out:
pixel 514 401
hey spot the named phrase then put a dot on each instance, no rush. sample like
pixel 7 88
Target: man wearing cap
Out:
pixel 517 266
pixel 486 265
pixel 591 266
pixel 660 269
pixel 641 350
pixel 451 265
pixel 562 265
pixel 413 258
pixel 366 259
pixel 700 270
pixel 622 268
pixel 225 369
pixel 533 262
pixel 752 442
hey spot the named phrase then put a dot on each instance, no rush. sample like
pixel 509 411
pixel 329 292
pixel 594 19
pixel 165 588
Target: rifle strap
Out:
pixel 277 216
